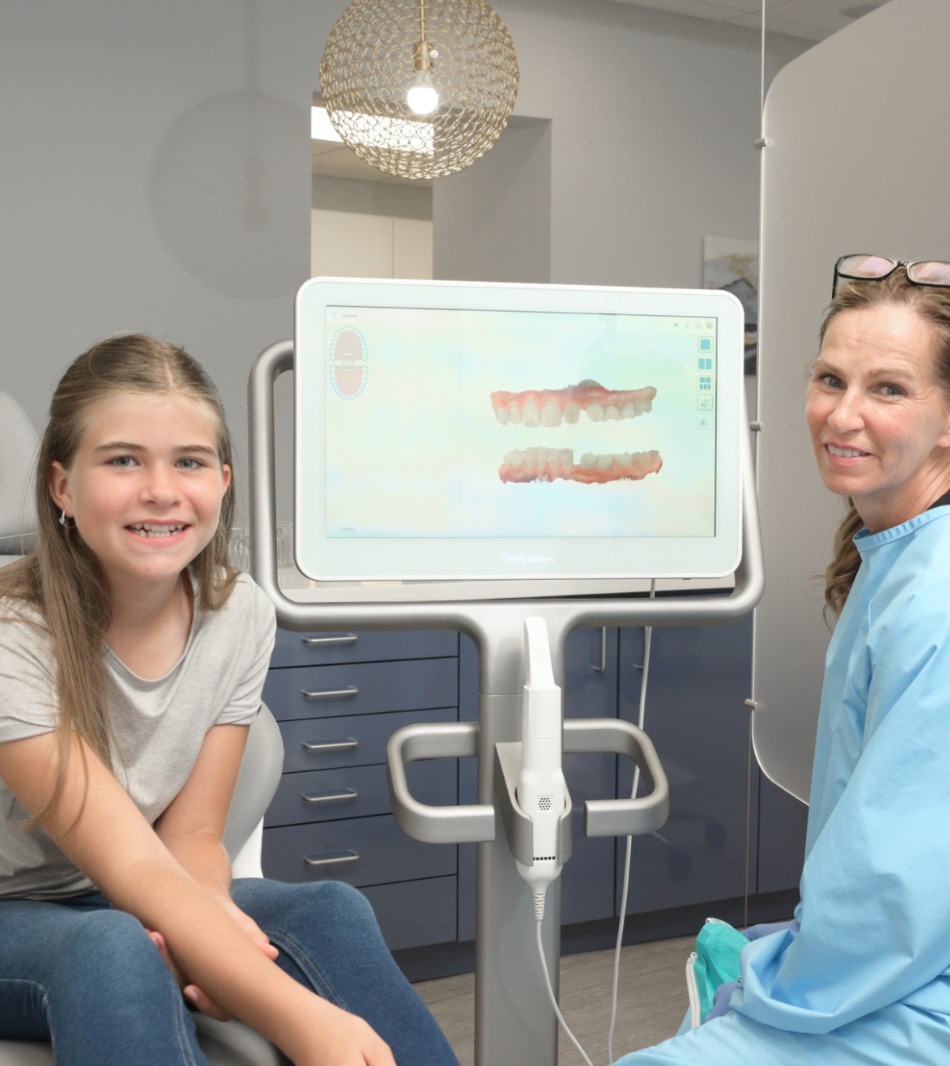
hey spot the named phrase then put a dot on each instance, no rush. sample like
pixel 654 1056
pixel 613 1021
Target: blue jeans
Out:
pixel 87 976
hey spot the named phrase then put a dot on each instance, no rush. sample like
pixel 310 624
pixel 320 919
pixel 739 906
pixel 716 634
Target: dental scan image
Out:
pixel 542 439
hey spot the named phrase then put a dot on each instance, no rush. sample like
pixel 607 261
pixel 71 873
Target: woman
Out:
pixel 132 658
pixel 863 973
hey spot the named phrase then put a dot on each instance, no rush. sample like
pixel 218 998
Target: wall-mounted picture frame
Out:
pixel 732 263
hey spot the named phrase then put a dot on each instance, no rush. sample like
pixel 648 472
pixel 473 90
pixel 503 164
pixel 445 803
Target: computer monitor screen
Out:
pixel 449 430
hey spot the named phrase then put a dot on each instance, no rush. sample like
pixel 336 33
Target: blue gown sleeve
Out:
pixel 875 911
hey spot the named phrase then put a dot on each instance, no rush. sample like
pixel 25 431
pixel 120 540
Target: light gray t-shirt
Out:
pixel 159 726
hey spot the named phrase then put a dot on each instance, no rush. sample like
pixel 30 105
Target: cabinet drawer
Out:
pixel 413 914
pixel 350 646
pixel 353 740
pixel 361 851
pixel 355 792
pixel 361 688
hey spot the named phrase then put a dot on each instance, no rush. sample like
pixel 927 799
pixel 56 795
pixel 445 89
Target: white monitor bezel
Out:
pixel 405 559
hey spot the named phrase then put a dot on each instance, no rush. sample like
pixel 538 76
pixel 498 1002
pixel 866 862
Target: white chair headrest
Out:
pixel 18 444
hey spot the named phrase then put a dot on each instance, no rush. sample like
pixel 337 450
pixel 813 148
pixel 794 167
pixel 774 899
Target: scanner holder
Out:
pixel 476 823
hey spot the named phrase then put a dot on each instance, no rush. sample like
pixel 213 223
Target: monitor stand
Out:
pixel 514 1021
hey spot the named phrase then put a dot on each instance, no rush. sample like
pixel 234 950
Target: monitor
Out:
pixel 454 430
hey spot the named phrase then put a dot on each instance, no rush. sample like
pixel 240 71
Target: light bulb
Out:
pixel 422 96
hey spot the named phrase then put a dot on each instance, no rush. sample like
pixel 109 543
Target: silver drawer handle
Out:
pixel 602 667
pixel 344 640
pixel 347 744
pixel 333 858
pixel 341 796
pixel 330 693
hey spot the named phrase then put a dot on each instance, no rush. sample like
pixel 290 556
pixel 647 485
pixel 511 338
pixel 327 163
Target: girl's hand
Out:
pixel 195 996
pixel 343 1040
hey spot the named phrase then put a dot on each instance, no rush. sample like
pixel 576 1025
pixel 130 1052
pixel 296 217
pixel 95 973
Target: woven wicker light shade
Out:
pixel 379 49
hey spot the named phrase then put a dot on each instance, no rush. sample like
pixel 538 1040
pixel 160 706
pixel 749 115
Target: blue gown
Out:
pixel 865 979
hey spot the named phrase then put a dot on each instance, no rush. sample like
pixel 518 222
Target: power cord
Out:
pixel 539 915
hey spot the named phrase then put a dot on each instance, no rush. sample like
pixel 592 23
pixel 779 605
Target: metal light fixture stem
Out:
pixel 421 60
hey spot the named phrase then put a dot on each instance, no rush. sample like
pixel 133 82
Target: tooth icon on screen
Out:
pixel 349 368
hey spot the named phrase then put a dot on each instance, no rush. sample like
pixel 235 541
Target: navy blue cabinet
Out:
pixel 730 833
pixel 338 698
pixel 696 716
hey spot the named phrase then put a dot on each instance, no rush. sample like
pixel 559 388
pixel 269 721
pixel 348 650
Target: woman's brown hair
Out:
pixel 932 303
pixel 62 580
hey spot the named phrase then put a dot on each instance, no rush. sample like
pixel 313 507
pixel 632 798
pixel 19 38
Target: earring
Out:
pixel 62 518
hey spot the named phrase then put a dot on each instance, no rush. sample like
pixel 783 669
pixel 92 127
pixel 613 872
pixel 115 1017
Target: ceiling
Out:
pixel 812 20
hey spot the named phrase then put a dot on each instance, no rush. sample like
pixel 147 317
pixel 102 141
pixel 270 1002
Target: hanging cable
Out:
pixel 762 75
pixel 539 918
pixel 760 143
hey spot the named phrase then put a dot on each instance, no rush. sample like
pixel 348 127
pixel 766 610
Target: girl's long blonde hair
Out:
pixel 62 580
pixel 932 303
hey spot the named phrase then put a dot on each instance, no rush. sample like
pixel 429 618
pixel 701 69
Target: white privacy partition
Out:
pixel 856 160
pixel 514 1020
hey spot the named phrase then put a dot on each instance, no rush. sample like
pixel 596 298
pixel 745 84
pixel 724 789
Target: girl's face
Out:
pixel 878 418
pixel 145 486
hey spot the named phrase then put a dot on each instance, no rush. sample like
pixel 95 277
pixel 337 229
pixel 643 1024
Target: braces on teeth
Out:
pixel 149 530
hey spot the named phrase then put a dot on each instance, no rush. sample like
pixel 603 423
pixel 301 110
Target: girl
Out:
pixel 132 658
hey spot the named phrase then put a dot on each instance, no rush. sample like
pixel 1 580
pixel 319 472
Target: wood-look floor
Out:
pixel 651 1001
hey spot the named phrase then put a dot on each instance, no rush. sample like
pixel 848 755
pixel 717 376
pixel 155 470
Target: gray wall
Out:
pixel 156 167
pixel 653 120
pixel 837 179
pixel 155 176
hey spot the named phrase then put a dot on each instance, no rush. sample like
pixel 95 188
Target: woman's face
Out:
pixel 878 418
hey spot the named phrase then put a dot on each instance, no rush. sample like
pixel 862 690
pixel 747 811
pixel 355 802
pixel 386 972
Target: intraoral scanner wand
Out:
pixel 541 790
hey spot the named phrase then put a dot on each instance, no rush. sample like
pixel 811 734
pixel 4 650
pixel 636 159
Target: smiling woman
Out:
pixel 862 974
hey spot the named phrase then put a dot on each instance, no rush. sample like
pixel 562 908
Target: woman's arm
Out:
pixel 98 826
pixel 875 914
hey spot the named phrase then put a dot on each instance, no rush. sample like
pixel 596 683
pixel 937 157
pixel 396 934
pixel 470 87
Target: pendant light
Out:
pixel 419 88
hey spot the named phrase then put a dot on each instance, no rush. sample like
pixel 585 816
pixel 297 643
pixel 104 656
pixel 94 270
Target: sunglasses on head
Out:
pixel 877 267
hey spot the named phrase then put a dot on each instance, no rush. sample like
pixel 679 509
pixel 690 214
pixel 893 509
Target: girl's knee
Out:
pixel 344 902
pixel 113 950
pixel 326 901
pixel 107 930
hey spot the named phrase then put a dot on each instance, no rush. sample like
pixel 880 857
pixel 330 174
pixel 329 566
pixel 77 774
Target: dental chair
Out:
pixel 17 452
pixel 223 1043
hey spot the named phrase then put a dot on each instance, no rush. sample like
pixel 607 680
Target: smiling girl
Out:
pixel 132 659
